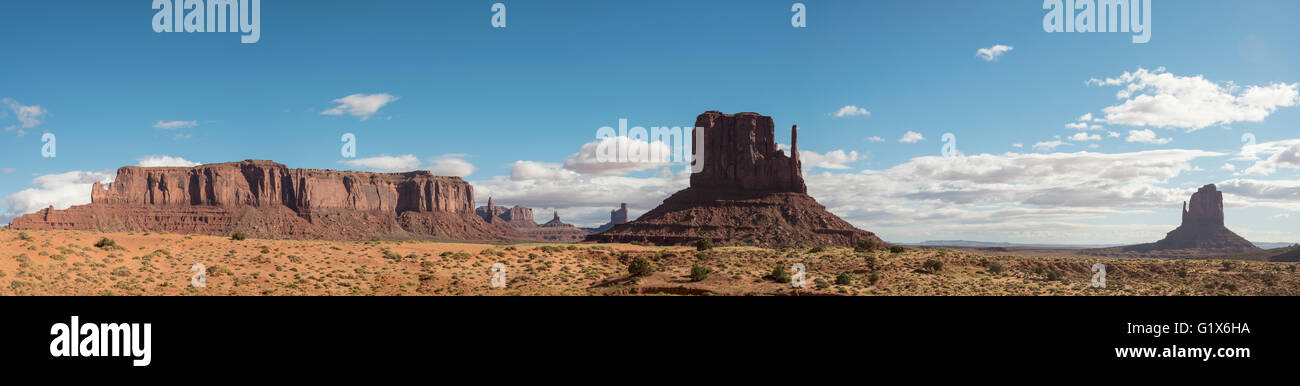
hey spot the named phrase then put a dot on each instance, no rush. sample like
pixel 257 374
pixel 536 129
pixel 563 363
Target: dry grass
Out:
pixel 68 263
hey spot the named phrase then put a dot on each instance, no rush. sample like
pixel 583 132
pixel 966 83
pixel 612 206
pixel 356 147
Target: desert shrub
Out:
pixel 897 249
pixel 390 255
pixel 779 275
pixel 996 268
pixel 704 245
pixel 238 236
pixel 844 278
pixel 1182 272
pixel 107 244
pixel 1229 265
pixel 932 265
pixel 865 246
pixel 1055 275
pixel 874 277
pixel 2 273
pixel 122 271
pixel 699 272
pixel 640 267
pixel 25 237
pixel 266 249
pixel 817 249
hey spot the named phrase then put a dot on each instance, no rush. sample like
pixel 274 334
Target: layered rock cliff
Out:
pixel 748 192
pixel 267 199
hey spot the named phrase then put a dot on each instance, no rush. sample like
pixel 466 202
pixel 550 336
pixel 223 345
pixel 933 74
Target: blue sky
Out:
pixel 508 106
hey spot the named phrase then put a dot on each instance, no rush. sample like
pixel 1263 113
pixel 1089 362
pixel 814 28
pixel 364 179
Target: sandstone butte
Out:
pixel 265 199
pixel 1202 228
pixel 747 193
pixel 521 218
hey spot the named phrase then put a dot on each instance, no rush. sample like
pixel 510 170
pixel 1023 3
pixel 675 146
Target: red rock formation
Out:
pixel 617 216
pixel 558 231
pixel 267 199
pixel 740 153
pixel 1202 228
pixel 748 193
pixel 517 216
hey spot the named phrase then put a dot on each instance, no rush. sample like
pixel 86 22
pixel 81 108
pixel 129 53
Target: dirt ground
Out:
pixel 107 264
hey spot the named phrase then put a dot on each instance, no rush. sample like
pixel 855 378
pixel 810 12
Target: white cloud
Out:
pixel 154 161
pixel 1227 167
pixel 911 137
pixel 543 171
pixel 1018 145
pixel 1281 155
pixel 834 160
pixel 1112 134
pixel 1084 137
pixel 641 155
pixel 360 105
pixel 851 111
pixel 1160 99
pixel 30 116
pixel 453 165
pixel 1085 118
pixel 58 190
pixel 1048 145
pixel 384 163
pixel 991 53
pixel 875 139
pixel 1146 136
pixel 174 125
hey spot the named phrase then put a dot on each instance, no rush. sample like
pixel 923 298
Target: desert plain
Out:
pixel 79 263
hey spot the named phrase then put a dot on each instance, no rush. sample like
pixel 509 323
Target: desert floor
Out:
pixel 70 263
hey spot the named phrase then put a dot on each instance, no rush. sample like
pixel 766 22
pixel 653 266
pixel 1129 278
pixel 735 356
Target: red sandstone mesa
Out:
pixel 266 199
pixel 748 193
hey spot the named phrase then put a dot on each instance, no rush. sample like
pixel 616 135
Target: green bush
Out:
pixel 816 250
pixel 932 265
pixel 996 268
pixel 238 236
pixel 640 267
pixel 779 275
pixel 865 246
pixel 704 245
pixel 844 278
pixel 106 244
pixel 699 272
pixel 897 249
pixel 874 278
pixel 1055 275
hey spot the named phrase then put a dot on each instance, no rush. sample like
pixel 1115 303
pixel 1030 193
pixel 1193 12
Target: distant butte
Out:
pixel 265 199
pixel 1202 228
pixel 747 193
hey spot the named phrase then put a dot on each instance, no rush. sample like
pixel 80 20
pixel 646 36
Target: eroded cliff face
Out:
pixel 266 183
pixel 267 199
pixel 740 153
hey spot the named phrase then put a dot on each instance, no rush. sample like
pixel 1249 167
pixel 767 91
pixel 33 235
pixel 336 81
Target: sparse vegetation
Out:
pixel 865 246
pixel 703 245
pixel 238 236
pixel 779 275
pixel 932 265
pixel 107 244
pixel 640 267
pixel 996 268
pixel 844 278
pixel 897 249
pixel 699 273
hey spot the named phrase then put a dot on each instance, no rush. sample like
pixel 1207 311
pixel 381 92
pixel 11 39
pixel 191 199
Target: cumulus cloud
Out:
pixel 991 53
pixel 1280 155
pixel 385 163
pixel 360 105
pixel 175 125
pixel 875 139
pixel 835 160
pixel 58 190
pixel 453 165
pixel 641 155
pixel 154 161
pixel 911 137
pixel 1164 100
pixel 1084 137
pixel 1146 136
pixel 1048 145
pixel 851 111
pixel 30 116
